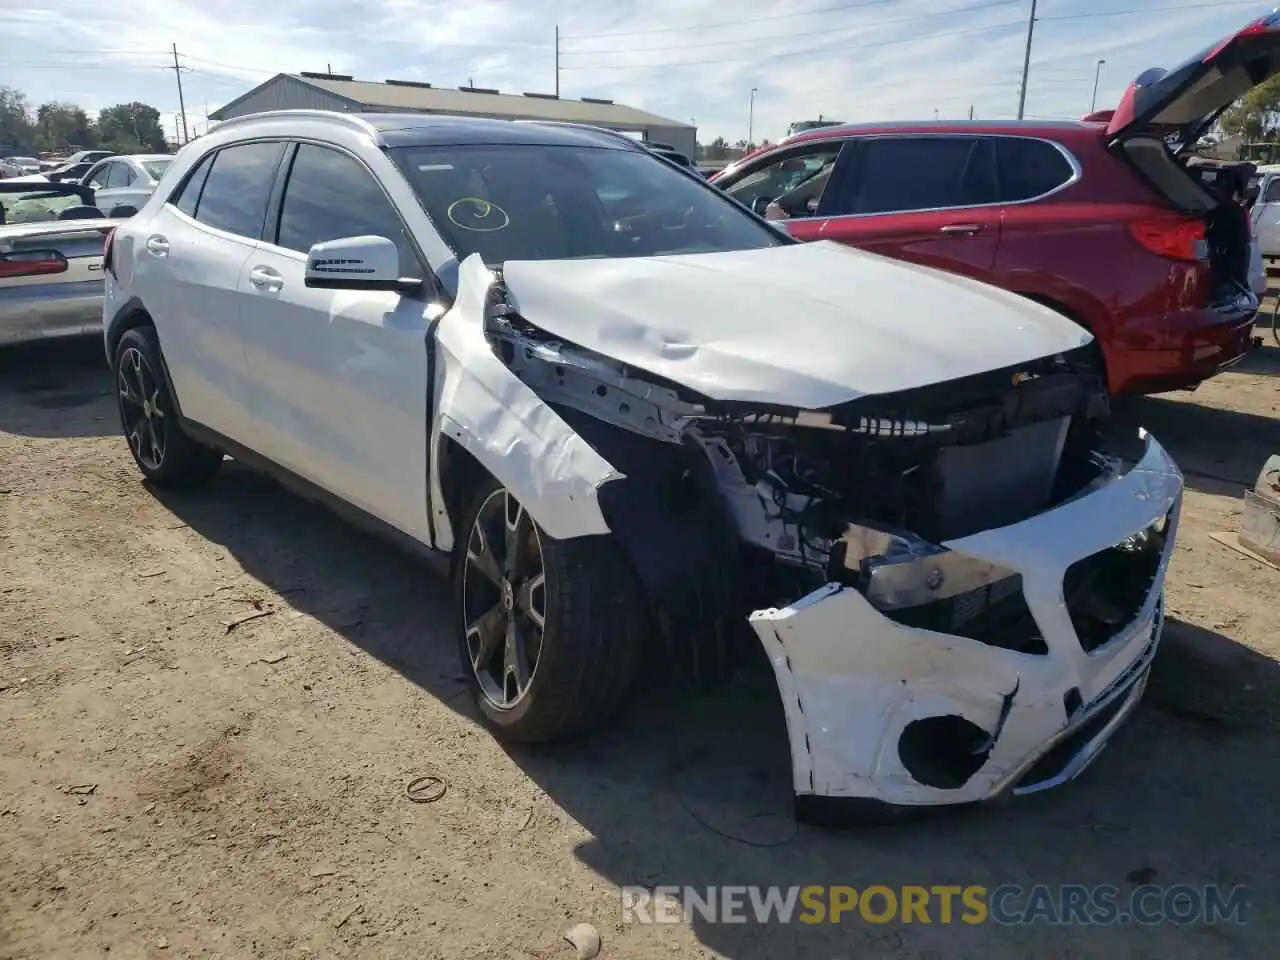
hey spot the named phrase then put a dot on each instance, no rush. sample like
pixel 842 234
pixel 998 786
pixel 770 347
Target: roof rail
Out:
pixel 587 126
pixel 349 120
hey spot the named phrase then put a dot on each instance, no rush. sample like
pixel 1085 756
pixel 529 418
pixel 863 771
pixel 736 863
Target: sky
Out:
pixel 690 60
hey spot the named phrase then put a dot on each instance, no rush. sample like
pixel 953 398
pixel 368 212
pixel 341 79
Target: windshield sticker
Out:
pixel 479 216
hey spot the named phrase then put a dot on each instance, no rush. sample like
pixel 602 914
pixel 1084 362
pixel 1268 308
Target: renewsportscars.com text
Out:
pixel 1008 904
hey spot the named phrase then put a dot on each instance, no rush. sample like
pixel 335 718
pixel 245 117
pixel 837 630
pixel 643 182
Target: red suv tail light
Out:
pixel 1175 238
pixel 31 263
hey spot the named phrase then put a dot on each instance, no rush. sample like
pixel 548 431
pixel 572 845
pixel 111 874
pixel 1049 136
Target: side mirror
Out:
pixel 123 211
pixel 357 263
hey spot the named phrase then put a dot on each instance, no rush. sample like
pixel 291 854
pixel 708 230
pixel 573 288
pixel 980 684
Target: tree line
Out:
pixel 123 128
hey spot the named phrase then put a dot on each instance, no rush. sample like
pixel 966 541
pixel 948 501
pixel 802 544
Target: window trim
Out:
pixel 275 210
pixel 93 171
pixel 1077 173
pixel 212 157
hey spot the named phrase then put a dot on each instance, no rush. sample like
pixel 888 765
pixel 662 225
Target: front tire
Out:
pixel 163 451
pixel 550 631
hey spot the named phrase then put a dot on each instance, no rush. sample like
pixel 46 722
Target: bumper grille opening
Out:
pixel 1105 592
pixel 996 615
pixel 1053 763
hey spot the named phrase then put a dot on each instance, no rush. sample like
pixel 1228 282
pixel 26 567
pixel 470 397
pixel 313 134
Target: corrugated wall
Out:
pixel 285 93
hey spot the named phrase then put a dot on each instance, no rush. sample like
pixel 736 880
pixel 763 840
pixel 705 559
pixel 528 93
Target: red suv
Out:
pixel 1098 220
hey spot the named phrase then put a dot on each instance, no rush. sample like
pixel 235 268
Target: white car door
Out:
pixel 1266 215
pixel 339 377
pixel 97 179
pixel 193 254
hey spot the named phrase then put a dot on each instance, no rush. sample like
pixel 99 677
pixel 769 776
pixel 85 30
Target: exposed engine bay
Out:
pixel 860 492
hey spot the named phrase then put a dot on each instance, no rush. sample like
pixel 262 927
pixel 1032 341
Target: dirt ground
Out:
pixel 210 707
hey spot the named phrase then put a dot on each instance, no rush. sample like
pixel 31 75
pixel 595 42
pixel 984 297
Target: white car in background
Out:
pixel 122 184
pixel 1266 210
pixel 19 166
pixel 636 420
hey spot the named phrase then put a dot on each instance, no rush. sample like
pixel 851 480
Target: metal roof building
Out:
pixel 331 91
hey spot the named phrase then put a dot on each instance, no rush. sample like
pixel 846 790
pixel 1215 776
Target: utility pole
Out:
pixel 1093 104
pixel 1026 60
pixel 971 111
pixel 182 106
pixel 751 118
pixel 557 61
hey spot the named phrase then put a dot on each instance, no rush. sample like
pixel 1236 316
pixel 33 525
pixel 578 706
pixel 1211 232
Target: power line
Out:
pixel 807 33
pixel 733 23
pixel 1126 13
pixel 809 51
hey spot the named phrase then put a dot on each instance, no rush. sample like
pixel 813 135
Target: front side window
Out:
pixel 98 178
pixel 330 195
pixel 806 171
pixel 900 174
pixel 540 202
pixel 1271 193
pixel 237 187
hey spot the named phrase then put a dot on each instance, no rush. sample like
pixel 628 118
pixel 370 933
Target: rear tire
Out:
pixel 163 451
pixel 549 631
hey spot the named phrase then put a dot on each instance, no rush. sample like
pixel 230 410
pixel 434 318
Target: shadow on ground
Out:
pixel 68 376
pixel 695 791
pixel 1220 451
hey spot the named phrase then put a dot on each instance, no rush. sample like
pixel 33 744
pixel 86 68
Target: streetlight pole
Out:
pixel 751 118
pixel 1026 60
pixel 1093 104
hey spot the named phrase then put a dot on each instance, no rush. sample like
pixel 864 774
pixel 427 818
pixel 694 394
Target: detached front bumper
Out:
pixel 877 711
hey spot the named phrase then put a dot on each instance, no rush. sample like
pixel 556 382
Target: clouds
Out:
pixel 856 60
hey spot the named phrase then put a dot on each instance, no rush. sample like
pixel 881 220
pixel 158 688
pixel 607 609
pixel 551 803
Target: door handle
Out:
pixel 264 278
pixel 961 229
pixel 157 245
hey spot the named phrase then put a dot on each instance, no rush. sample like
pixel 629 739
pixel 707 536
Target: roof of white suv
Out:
pixel 419 129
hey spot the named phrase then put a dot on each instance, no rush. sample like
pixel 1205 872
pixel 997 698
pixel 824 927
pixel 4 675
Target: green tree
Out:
pixel 63 126
pixel 16 129
pixel 1256 116
pixel 131 128
pixel 718 149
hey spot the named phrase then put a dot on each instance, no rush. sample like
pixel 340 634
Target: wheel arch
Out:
pixel 132 314
pixel 1077 317
pixel 129 317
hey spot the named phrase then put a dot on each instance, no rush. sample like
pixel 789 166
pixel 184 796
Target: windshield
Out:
pixel 521 202
pixel 156 168
pixel 35 206
pixel 24 161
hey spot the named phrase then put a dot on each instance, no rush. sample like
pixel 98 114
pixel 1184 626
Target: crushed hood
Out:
pixel 804 325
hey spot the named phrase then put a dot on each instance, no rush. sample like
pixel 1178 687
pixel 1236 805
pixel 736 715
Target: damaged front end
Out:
pixel 958 596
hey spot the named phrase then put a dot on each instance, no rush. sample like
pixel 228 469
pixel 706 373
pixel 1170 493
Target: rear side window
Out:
pixel 236 189
pixel 1030 169
pixel 900 174
pixel 1272 191
pixel 187 196
pixel 121 175
pixel 330 195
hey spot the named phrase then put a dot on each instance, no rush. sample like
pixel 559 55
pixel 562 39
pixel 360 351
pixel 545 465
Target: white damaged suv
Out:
pixel 640 423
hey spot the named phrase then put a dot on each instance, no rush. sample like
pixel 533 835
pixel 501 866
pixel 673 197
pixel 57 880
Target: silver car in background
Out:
pixel 122 184
pixel 51 239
